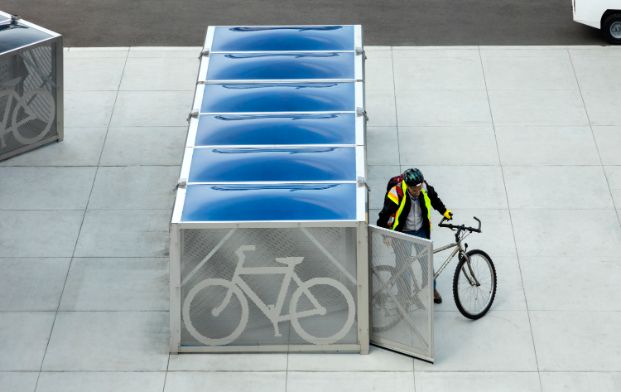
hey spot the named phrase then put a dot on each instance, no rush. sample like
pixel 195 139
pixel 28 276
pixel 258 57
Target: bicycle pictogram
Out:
pixel 240 290
pixel 28 116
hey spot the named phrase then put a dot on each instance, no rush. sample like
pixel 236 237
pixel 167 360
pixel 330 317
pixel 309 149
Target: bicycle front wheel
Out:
pixel 474 284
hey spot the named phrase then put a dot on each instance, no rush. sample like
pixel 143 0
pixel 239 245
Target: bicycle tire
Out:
pixel 379 302
pixel 237 331
pixel 295 321
pixel 461 276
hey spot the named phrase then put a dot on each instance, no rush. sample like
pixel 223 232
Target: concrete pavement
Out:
pixel 525 138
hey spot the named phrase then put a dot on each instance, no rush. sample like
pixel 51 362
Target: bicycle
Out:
pixel 238 288
pixel 27 122
pixel 474 281
pixel 475 273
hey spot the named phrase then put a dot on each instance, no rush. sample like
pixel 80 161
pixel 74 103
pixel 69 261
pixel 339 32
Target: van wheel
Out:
pixel 612 29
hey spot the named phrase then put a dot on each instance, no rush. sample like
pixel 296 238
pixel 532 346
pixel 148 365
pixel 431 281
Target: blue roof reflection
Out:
pixel 270 129
pixel 278 97
pixel 275 164
pixel 275 138
pixel 269 202
pixel 283 66
pixel 288 38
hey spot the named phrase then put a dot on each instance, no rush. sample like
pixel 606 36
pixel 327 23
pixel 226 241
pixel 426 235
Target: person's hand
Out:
pixel 387 241
pixel 448 214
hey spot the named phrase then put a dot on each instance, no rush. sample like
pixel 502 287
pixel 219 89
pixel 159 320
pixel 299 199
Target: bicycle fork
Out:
pixel 469 273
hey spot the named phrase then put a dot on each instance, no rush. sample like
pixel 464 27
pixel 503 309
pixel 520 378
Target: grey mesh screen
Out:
pixel 401 297
pixel 27 97
pixel 239 287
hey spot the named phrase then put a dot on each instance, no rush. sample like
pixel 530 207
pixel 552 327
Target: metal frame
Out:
pixel 364 323
pixel 363 285
pixel 175 288
pixel 265 224
pixel 344 348
pixel 55 39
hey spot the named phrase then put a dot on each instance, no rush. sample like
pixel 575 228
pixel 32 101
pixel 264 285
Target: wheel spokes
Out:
pixel 475 297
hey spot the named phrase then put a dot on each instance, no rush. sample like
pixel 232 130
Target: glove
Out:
pixel 448 214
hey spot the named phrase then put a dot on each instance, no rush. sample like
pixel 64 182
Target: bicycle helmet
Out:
pixel 413 177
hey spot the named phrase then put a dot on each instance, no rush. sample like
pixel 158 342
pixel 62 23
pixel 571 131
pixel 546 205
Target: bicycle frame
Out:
pixel 459 249
pixel 446 262
pixel 272 312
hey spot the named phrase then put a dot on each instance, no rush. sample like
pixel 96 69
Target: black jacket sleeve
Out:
pixel 436 203
pixel 389 210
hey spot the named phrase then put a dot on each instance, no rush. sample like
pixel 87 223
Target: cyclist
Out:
pixel 407 208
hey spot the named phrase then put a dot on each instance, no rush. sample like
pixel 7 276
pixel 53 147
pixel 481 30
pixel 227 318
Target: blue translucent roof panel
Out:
pixel 278 97
pixel 281 164
pixel 269 202
pixel 269 129
pixel 283 38
pixel 13 36
pixel 281 66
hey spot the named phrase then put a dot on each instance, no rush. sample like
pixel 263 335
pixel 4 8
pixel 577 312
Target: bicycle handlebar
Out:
pixel 461 227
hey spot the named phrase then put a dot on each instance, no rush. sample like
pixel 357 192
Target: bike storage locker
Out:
pixel 269 247
pixel 31 86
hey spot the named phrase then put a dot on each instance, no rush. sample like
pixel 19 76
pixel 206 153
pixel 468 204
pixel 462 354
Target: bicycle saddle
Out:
pixel 289 260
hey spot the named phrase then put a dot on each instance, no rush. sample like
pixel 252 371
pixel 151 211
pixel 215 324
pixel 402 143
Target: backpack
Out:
pixel 394 181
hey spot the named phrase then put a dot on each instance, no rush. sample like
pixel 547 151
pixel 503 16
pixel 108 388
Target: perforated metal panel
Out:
pixel 244 287
pixel 401 292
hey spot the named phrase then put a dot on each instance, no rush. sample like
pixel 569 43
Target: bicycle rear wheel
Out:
pixel 474 284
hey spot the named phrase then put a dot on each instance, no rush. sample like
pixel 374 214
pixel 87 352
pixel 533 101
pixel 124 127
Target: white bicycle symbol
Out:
pixel 20 117
pixel 238 287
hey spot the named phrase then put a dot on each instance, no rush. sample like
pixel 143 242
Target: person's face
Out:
pixel 415 190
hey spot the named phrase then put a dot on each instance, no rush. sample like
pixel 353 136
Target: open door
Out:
pixel 401 292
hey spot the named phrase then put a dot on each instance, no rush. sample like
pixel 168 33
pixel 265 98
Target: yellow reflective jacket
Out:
pixel 397 206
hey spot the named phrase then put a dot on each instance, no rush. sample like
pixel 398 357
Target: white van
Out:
pixel 601 14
